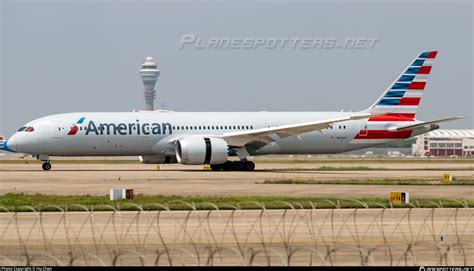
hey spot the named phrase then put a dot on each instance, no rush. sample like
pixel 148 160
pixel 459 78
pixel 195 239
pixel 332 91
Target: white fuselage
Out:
pixel 153 132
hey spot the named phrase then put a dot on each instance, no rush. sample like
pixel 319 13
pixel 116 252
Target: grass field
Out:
pixel 365 168
pixel 372 181
pixel 360 160
pixel 21 202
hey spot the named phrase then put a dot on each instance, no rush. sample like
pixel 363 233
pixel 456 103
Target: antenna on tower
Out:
pixel 149 74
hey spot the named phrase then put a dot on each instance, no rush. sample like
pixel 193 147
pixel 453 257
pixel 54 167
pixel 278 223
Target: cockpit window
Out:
pixel 21 129
pixel 29 129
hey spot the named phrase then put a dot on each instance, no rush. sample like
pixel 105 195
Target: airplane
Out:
pixel 209 138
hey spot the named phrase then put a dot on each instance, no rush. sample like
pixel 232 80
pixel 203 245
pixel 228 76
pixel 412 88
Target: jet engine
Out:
pixel 157 159
pixel 201 150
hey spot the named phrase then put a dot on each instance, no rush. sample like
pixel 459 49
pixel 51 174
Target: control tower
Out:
pixel 149 74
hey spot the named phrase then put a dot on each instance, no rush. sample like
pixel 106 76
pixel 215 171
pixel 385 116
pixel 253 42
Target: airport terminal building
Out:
pixel 445 143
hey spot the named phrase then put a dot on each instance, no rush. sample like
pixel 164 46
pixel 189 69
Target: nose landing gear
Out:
pixel 46 166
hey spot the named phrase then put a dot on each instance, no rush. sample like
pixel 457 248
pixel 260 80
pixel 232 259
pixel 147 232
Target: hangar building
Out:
pixel 445 143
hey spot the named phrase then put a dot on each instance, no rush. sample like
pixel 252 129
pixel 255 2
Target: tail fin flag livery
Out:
pixel 399 103
pixel 403 96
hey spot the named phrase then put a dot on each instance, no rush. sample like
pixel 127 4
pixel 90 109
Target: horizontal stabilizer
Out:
pixel 408 127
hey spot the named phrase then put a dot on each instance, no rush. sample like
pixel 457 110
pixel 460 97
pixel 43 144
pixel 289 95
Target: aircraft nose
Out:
pixel 12 143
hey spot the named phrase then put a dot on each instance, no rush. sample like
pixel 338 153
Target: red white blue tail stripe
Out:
pixel 403 96
pixel 400 102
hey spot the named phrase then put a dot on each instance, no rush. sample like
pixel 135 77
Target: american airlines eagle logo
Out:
pixel 73 130
pixel 74 127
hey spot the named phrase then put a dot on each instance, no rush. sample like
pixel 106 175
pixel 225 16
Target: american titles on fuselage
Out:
pixel 128 128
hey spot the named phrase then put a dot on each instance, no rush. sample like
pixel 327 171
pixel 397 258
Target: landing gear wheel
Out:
pixel 249 165
pixel 228 166
pixel 216 167
pixel 234 166
pixel 46 166
pixel 237 166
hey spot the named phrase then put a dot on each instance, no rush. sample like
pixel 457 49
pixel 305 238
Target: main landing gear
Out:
pixel 234 166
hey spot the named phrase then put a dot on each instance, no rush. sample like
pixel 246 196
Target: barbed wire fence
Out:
pixel 292 236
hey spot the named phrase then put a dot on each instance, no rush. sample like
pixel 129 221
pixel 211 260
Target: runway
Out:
pixel 97 179
pixel 252 237
pixel 409 236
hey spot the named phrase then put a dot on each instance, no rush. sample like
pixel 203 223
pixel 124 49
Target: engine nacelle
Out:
pixel 157 159
pixel 201 150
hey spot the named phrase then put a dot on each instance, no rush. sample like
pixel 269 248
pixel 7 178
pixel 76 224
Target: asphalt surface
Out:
pixel 98 179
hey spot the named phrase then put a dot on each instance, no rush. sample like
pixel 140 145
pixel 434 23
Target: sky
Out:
pixel 84 56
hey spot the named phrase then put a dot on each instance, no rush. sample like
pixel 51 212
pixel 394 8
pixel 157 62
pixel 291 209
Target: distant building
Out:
pixel 445 143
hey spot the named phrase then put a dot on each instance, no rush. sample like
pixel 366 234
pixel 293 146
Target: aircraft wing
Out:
pixel 401 128
pixel 241 138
